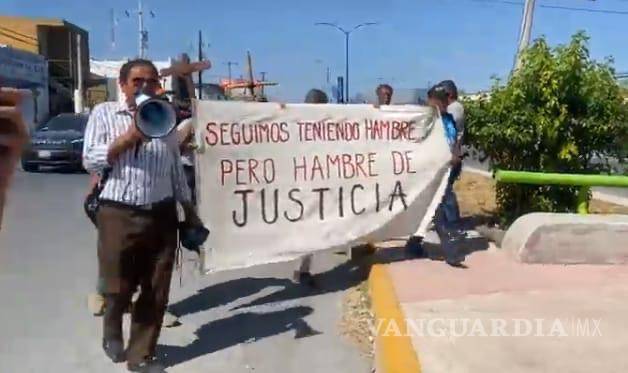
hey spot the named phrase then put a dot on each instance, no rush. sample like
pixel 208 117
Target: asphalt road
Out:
pixel 252 320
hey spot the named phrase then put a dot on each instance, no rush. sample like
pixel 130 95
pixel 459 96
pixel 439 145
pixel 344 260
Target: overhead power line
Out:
pixel 575 9
pixel 605 11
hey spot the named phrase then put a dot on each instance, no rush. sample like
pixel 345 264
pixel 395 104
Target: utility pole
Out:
pixel 71 62
pixel 113 28
pixel 526 30
pixel 229 64
pixel 143 33
pixel 200 58
pixel 78 94
pixel 143 39
pixel 263 74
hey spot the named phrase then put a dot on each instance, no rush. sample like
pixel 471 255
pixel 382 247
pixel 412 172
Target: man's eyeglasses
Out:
pixel 142 81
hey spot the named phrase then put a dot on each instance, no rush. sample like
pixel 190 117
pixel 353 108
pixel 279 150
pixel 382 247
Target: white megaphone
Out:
pixel 154 117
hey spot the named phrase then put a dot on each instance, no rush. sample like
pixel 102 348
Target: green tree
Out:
pixel 559 112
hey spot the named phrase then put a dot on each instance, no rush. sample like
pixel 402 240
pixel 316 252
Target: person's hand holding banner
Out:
pixel 13 135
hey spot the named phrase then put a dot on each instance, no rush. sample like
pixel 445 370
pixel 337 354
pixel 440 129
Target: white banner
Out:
pixel 277 182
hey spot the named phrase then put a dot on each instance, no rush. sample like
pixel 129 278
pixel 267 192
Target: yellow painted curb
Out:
pixel 394 353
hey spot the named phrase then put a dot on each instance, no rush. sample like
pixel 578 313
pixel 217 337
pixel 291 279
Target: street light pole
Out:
pixel 347 66
pixel 347 33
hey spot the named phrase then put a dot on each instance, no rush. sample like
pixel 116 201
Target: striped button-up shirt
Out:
pixel 148 173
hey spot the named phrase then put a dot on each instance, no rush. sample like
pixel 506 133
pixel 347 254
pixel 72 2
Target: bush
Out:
pixel 560 112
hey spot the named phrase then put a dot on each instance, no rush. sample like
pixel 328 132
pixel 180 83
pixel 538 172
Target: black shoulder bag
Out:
pixel 92 201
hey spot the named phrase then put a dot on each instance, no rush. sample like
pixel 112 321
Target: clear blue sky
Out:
pixel 418 41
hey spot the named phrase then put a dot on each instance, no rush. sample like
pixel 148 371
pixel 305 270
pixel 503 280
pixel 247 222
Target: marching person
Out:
pixel 384 94
pixel 137 218
pixel 13 134
pixel 447 213
pixel 303 275
pixel 455 108
pixel 443 221
pixel 96 300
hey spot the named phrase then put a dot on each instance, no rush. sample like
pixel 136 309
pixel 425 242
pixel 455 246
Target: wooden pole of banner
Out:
pixel 200 58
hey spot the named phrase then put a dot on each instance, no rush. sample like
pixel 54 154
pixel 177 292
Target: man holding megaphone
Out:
pixel 133 148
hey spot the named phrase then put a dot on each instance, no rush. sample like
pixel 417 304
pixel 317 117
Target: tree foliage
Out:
pixel 560 111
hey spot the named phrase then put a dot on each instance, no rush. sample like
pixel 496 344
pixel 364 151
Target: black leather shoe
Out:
pixel 114 349
pixel 147 366
pixel 414 247
pixel 456 262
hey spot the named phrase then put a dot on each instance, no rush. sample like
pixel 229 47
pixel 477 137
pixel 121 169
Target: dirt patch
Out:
pixel 476 195
pixel 601 207
pixel 357 320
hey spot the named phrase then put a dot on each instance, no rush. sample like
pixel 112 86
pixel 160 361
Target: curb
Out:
pixel 610 199
pixel 477 171
pixel 393 353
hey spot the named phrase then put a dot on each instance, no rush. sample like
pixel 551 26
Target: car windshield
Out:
pixel 67 122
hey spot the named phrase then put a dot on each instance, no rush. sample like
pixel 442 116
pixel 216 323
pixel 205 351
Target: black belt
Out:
pixel 165 203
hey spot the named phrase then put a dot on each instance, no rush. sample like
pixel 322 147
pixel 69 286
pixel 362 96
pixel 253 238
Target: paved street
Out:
pixel 252 320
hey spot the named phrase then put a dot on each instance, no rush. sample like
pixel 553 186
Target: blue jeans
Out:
pixel 450 202
pixel 448 216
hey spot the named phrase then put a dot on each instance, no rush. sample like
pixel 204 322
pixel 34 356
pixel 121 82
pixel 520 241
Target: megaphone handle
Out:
pixel 139 143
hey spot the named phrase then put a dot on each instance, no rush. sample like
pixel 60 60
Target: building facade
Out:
pixel 28 72
pixel 63 45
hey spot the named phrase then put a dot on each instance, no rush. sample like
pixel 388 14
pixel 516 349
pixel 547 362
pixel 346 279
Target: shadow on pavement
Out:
pixel 340 278
pixel 241 328
pixel 253 326
pixel 224 293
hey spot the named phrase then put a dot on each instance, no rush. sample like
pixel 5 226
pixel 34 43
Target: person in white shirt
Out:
pixel 137 219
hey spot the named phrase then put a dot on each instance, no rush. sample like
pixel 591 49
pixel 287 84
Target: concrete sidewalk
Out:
pixel 498 315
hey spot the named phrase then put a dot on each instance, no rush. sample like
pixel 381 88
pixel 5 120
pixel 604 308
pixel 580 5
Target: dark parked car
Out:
pixel 58 143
